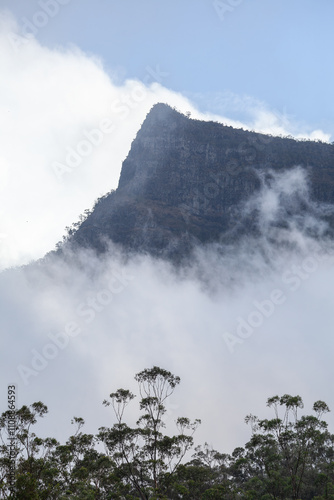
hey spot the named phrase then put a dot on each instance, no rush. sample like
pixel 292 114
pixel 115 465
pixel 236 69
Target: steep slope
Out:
pixel 184 179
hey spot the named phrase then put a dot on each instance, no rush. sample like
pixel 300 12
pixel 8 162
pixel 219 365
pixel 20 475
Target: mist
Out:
pixel 238 323
pixel 66 125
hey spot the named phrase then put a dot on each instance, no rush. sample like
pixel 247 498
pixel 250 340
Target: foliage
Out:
pixel 288 457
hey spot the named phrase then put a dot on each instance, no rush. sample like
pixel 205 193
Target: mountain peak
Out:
pixel 184 181
pixel 160 115
pixel 161 111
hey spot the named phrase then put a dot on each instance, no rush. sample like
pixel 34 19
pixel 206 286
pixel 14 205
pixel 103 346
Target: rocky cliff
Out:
pixel 184 179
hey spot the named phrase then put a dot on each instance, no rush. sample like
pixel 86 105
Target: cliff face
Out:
pixel 184 179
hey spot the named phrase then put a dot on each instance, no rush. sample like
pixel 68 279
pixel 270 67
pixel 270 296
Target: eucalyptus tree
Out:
pixel 148 458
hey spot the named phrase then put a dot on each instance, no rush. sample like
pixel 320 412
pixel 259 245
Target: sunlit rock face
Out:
pixel 187 181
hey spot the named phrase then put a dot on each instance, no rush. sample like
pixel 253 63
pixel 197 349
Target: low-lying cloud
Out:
pixel 238 324
pixel 74 330
pixel 66 126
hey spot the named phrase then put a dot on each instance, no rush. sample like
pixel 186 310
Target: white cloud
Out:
pixel 122 317
pixel 253 114
pixel 59 107
pixel 65 129
pixel 49 100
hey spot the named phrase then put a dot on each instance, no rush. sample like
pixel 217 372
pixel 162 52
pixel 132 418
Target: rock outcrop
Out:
pixel 183 181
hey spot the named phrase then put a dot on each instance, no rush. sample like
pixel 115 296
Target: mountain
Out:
pixel 184 182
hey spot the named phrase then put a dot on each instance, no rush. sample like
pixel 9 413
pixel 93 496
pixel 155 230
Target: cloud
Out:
pixel 86 327
pixel 252 114
pixel 65 129
pixel 238 324
pixel 284 199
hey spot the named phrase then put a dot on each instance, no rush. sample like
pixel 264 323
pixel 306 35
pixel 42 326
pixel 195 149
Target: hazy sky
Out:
pixel 77 80
pixel 67 66
pixel 277 52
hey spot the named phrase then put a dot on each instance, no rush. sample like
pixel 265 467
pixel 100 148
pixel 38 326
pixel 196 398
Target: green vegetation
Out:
pixel 287 457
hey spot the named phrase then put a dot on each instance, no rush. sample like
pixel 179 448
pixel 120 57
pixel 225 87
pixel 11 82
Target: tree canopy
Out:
pixel 290 456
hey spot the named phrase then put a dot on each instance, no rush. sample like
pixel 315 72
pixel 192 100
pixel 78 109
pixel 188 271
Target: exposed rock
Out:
pixel 184 179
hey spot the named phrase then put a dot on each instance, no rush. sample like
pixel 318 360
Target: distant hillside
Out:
pixel 184 179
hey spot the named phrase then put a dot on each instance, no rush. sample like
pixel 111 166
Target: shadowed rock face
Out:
pixel 185 180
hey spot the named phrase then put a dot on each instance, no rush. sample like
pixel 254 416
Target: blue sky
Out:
pixel 68 64
pixel 86 79
pixel 278 52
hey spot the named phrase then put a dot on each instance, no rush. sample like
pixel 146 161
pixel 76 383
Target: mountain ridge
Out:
pixel 183 180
